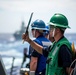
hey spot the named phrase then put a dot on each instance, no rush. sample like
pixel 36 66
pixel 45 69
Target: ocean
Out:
pixel 11 48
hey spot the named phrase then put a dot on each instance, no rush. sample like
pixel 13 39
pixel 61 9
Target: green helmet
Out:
pixel 59 20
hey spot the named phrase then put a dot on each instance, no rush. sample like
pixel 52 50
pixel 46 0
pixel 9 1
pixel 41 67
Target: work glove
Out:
pixel 25 37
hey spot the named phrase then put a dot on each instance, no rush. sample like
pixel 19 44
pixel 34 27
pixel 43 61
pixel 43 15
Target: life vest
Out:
pixel 52 66
pixel 73 50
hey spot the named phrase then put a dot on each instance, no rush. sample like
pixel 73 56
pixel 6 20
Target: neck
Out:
pixel 57 37
pixel 37 34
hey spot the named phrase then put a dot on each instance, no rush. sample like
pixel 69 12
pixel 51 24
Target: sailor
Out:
pixel 46 32
pixel 47 35
pixel 38 61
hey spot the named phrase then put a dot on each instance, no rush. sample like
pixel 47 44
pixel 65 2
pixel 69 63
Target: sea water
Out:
pixel 12 49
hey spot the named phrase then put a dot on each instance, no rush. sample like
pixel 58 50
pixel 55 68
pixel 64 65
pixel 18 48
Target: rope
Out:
pixel 74 67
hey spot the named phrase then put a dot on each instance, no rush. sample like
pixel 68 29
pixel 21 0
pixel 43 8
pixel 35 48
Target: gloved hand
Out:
pixel 25 37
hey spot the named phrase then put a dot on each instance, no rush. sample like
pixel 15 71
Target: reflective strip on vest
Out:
pixel 46 43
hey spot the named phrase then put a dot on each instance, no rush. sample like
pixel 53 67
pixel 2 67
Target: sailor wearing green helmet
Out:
pixel 59 54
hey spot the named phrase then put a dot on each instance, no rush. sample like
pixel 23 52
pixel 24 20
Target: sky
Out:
pixel 13 12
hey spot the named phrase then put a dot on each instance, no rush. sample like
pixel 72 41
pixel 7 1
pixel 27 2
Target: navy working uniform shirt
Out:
pixel 41 40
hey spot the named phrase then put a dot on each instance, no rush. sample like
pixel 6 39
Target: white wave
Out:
pixel 12 53
pixel 8 62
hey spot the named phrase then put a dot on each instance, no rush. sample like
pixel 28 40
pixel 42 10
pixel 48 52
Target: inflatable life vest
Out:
pixel 73 48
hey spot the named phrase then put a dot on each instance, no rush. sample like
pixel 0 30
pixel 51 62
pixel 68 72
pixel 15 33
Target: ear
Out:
pixel 37 30
pixel 58 30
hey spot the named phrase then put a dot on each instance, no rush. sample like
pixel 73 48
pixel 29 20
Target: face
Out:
pixel 47 36
pixel 54 31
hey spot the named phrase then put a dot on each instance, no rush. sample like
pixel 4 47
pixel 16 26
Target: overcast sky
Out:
pixel 13 12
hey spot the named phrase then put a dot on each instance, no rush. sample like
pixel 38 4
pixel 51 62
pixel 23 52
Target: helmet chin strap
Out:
pixel 53 32
pixel 34 33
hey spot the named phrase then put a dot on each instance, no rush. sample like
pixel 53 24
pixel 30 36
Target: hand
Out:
pixel 25 37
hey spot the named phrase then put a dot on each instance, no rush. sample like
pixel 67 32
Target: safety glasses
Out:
pixel 51 28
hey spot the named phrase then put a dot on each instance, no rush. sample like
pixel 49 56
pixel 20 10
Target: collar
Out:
pixel 60 38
